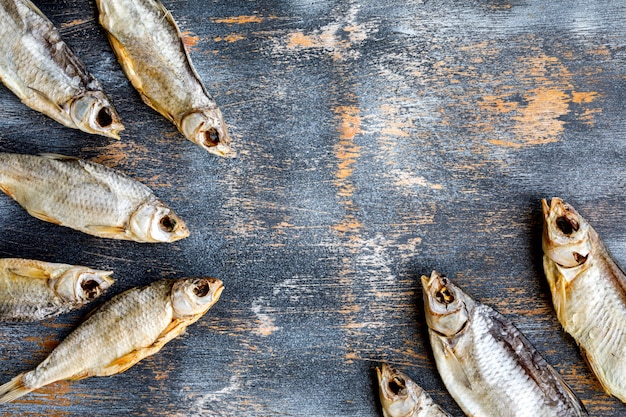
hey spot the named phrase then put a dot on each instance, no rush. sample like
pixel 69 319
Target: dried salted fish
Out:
pixel 88 197
pixel 34 290
pixel 588 292
pixel 131 326
pixel 488 366
pixel 150 48
pixel 45 74
pixel 401 397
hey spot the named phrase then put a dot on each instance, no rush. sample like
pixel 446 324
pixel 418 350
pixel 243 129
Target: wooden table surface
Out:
pixel 376 141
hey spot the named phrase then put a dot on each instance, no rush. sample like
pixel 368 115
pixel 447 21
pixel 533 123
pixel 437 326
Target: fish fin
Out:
pixel 57 157
pixel 30 271
pixel 106 230
pixel 43 216
pixel 176 327
pixel 573 398
pixel 34 8
pixel 5 189
pixel 596 370
pixel 456 367
pixel 13 389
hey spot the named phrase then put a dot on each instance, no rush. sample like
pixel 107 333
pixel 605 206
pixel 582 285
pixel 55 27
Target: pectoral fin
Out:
pixel 175 328
pixel 456 367
pixel 29 271
pixel 104 230
pixel 43 216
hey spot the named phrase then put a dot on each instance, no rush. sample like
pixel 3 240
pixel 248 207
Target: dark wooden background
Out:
pixel 376 141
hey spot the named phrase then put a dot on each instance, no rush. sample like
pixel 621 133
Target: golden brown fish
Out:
pixel 35 290
pixel 150 48
pixel 488 366
pixel 588 292
pixel 401 397
pixel 45 74
pixel 88 197
pixel 131 326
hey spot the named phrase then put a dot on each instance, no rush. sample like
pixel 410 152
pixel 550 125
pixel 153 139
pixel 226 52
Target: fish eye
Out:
pixel 91 288
pixel 444 296
pixel 167 223
pixel 211 137
pixel 202 289
pixel 567 225
pixel 396 385
pixel 104 118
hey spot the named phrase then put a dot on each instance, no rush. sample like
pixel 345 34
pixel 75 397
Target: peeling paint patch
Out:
pixel 265 323
pixel 189 39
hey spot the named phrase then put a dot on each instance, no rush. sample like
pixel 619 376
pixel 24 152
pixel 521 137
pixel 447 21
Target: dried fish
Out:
pixel 401 397
pixel 588 292
pixel 150 48
pixel 34 290
pixel 488 366
pixel 47 76
pixel 88 197
pixel 131 326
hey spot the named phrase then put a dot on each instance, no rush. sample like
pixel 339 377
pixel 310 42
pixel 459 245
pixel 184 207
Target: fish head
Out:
pixel 566 234
pixel 206 127
pixel 194 296
pixel 93 113
pixel 154 221
pixel 399 395
pixel 79 284
pixel 447 307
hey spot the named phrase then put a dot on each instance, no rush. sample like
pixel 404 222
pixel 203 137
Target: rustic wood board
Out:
pixel 376 141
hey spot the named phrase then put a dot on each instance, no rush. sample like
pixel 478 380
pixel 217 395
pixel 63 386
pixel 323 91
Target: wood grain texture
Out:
pixel 376 141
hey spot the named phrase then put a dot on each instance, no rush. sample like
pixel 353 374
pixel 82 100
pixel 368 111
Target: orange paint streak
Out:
pixel 75 22
pixel 239 20
pixel 230 38
pixel 538 122
pixel 189 39
pixel 583 97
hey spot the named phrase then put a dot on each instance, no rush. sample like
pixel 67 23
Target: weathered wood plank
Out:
pixel 376 142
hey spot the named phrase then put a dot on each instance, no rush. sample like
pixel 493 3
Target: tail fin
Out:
pixel 13 389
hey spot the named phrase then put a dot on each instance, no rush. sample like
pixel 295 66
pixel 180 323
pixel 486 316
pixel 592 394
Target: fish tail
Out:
pixel 13 389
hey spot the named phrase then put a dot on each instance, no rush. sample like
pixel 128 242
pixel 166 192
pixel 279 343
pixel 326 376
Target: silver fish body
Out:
pixel 88 197
pixel 131 326
pixel 487 365
pixel 588 292
pixel 34 290
pixel 47 76
pixel 401 397
pixel 150 49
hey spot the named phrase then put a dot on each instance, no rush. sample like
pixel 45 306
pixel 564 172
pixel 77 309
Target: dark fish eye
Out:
pixel 202 289
pixel 567 225
pixel 167 224
pixel 104 118
pixel 91 288
pixel 444 296
pixel 211 137
pixel 396 385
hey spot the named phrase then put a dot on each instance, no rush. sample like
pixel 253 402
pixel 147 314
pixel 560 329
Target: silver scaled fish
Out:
pixel 35 290
pixel 588 292
pixel 128 328
pixel 151 51
pixel 487 365
pixel 47 76
pixel 401 397
pixel 88 197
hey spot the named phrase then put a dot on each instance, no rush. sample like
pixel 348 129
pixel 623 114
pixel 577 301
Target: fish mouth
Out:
pixel 391 382
pixel 93 283
pixel 437 287
pixel 566 239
